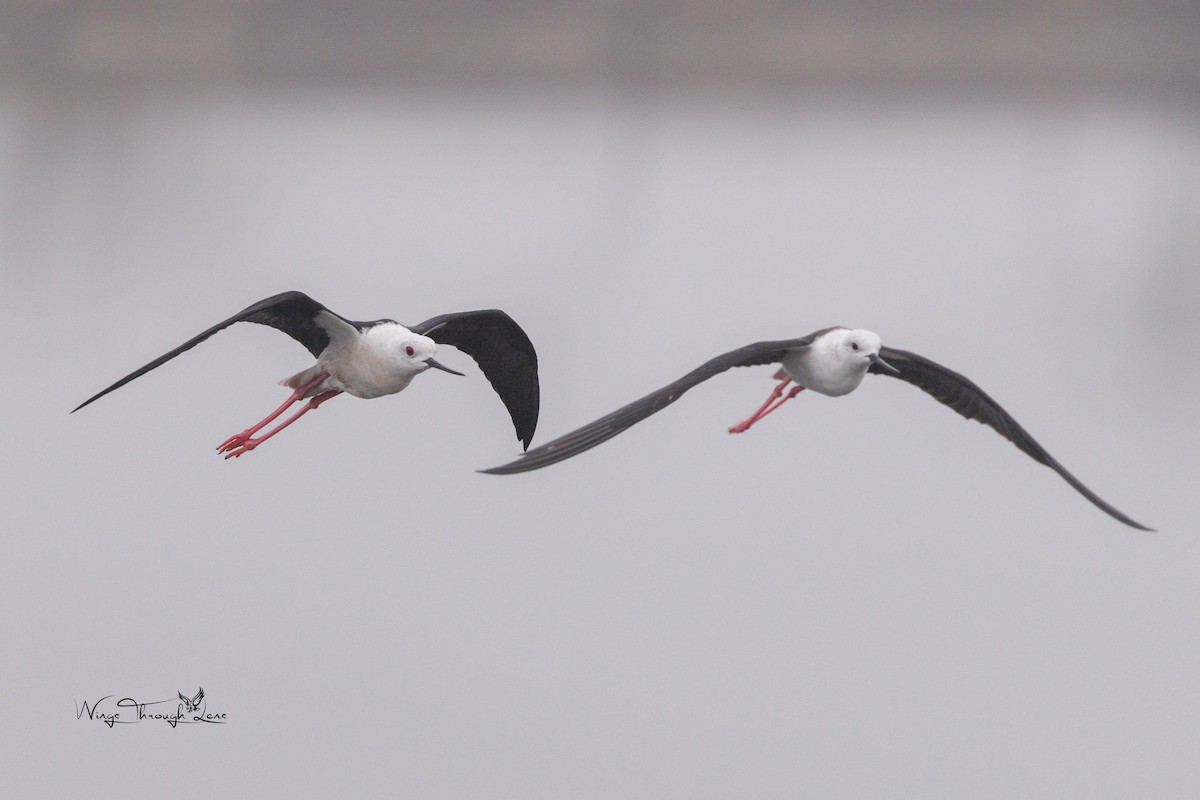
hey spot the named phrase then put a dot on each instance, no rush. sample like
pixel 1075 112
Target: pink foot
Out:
pixel 241 443
pixel 237 440
pixel 244 446
pixel 776 399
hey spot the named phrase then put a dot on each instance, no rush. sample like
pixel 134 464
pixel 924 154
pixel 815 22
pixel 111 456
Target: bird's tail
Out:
pixel 302 378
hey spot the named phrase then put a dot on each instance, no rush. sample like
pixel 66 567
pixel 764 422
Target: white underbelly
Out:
pixel 807 371
pixel 366 381
pixel 364 369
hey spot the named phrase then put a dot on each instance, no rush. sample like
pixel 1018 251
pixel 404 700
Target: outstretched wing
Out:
pixel 959 393
pixel 294 313
pixel 610 425
pixel 504 354
pixel 199 696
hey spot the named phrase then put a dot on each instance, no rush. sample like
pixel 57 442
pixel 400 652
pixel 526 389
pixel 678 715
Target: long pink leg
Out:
pixel 767 407
pixel 250 444
pixel 238 439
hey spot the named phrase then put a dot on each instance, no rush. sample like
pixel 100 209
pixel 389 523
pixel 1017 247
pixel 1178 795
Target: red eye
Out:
pixel 409 350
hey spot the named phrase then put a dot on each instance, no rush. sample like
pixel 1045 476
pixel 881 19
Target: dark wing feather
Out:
pixel 960 394
pixel 610 425
pixel 294 313
pixel 504 354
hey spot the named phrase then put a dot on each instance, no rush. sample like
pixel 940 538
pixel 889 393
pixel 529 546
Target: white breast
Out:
pixel 369 365
pixel 820 369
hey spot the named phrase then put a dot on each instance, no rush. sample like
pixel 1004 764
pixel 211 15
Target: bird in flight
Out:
pixel 377 358
pixel 832 361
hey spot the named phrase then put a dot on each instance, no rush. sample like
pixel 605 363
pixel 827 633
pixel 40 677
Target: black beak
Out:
pixel 879 362
pixel 436 365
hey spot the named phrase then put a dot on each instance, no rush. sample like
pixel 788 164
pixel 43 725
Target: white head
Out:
pixel 838 361
pixel 856 348
pixel 415 353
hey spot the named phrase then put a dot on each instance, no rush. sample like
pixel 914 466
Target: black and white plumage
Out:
pixel 379 357
pixel 832 361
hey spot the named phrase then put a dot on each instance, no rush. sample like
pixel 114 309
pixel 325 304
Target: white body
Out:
pixel 379 361
pixel 835 363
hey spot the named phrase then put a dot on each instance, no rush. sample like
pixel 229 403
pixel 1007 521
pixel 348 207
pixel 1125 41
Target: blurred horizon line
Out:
pixel 1052 48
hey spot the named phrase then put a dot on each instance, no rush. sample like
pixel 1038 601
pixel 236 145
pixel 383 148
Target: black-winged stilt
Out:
pixel 832 361
pixel 376 358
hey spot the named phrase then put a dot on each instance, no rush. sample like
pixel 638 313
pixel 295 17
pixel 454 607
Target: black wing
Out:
pixel 294 313
pixel 504 354
pixel 608 426
pixel 960 394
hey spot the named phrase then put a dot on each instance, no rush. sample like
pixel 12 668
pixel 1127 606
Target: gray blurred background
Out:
pixel 862 598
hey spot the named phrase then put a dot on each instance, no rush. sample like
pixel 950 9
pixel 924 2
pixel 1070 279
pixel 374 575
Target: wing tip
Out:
pixel 84 403
pixel 518 464
pixel 525 424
